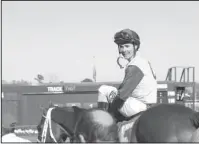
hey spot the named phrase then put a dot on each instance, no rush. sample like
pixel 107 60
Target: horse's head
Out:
pixel 48 130
pixel 41 123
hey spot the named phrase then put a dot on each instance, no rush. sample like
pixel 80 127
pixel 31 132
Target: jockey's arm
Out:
pixel 133 76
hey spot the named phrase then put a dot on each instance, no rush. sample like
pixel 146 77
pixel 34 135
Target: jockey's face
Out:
pixel 127 50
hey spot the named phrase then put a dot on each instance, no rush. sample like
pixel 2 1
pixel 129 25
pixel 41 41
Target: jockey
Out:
pixel 139 86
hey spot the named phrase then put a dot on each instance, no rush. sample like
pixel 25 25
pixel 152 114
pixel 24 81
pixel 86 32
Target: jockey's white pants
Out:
pixel 130 107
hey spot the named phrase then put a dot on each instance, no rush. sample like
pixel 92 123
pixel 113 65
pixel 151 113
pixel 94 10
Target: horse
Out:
pixel 159 123
pixel 64 119
pixel 166 123
pixel 57 124
pixel 60 125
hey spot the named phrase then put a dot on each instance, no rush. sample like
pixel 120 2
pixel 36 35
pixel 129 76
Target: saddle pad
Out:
pixel 125 129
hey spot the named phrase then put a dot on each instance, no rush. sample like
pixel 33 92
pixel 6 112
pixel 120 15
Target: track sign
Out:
pixel 69 88
pixel 58 89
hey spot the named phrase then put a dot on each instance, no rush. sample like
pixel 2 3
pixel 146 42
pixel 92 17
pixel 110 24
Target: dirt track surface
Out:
pixel 31 138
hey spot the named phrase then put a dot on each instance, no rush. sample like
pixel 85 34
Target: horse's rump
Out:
pixel 165 123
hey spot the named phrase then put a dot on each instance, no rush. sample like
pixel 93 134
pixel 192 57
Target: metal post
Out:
pixel 170 74
pixel 187 74
pixel 184 74
pixel 175 74
pixel 94 70
pixel 194 93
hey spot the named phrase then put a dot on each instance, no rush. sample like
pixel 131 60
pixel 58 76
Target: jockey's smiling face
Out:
pixel 127 50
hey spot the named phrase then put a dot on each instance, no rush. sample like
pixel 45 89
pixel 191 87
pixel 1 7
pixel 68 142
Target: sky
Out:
pixel 60 39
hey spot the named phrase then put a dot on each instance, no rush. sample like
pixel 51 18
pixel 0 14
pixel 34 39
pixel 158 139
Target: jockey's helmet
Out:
pixel 127 36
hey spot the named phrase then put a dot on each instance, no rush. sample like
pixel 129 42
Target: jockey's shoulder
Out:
pixel 133 69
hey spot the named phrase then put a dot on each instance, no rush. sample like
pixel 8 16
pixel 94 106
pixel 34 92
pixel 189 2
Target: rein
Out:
pixel 47 124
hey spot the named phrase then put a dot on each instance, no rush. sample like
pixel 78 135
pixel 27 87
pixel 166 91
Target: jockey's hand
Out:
pixel 109 92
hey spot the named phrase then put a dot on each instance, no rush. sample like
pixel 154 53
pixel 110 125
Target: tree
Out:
pixel 20 82
pixel 87 80
pixel 39 78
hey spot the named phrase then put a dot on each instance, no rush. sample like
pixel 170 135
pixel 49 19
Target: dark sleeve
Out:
pixel 133 76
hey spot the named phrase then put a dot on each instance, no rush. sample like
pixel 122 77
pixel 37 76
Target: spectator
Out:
pixel 8 127
pixel 96 126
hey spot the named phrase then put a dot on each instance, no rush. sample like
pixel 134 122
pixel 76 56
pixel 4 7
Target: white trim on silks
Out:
pixel 132 106
pixel 46 124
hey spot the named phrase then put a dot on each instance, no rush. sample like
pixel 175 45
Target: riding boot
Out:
pixel 103 105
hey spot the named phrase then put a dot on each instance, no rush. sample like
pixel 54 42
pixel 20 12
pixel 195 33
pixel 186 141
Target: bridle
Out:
pixel 47 124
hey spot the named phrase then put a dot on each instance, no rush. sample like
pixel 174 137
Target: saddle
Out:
pixel 120 118
pixel 125 125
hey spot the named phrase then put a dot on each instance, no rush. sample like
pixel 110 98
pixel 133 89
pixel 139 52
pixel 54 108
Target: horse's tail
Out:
pixel 195 120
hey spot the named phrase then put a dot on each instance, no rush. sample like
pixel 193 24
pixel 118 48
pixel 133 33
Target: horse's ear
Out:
pixel 41 108
pixel 50 104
